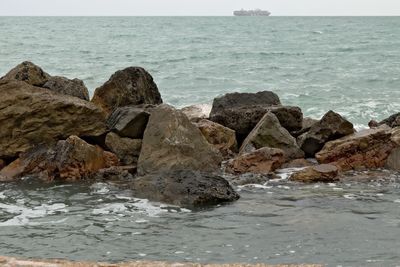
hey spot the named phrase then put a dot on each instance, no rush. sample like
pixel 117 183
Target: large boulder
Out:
pixel 222 138
pixel 30 115
pixel 325 173
pixel 269 133
pixel 184 188
pixel 332 126
pixel 29 73
pixel 129 121
pixel 260 161
pixel 243 119
pixel 172 142
pixel 127 149
pixel 197 112
pixel 69 160
pixel 131 86
pixel 66 86
pixel 365 149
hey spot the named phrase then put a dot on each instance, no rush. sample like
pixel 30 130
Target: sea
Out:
pixel 347 64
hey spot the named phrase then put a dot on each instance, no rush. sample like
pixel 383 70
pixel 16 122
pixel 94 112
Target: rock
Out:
pixel 131 86
pixel 373 124
pixel 197 112
pixel 297 163
pixel 129 121
pixel 2 164
pixel 69 160
pixel 222 138
pixel 126 149
pixel 184 188
pixel 325 173
pixel 269 133
pixel 116 173
pixel 30 115
pixel 393 161
pixel 393 121
pixel 365 149
pixel 244 119
pixel 332 126
pixel 29 73
pixel 172 142
pixel 306 126
pixel 260 161
pixel 66 86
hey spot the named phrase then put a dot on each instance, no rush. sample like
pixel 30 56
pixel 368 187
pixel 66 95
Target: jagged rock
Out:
pixel 30 115
pixel 29 73
pixel 126 149
pixel 184 188
pixel 66 86
pixel 365 149
pixel 332 126
pixel 269 133
pixel 325 173
pixel 172 142
pixel 197 112
pixel 261 161
pixel 222 138
pixel 69 160
pixel 393 121
pixel 131 86
pixel 129 121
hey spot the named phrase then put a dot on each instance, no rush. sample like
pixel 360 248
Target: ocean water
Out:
pixel 350 65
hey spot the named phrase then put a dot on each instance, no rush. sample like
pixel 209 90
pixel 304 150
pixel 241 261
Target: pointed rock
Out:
pixel 29 73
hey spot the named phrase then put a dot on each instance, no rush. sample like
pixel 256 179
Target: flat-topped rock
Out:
pixel 325 173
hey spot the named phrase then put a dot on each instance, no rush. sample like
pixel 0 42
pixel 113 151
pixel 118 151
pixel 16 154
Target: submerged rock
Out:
pixel 127 149
pixel 260 161
pixel 30 115
pixel 172 142
pixel 332 126
pixel 222 138
pixel 197 112
pixel 269 133
pixel 184 188
pixel 325 173
pixel 131 86
pixel 69 160
pixel 66 86
pixel 29 73
pixel 129 121
pixel 365 149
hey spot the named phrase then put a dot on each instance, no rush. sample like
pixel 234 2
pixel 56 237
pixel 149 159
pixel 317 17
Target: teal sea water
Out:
pixel 350 65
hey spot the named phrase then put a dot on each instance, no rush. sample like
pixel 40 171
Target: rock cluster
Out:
pixel 51 130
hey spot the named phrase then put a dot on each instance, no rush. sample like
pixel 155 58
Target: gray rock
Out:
pixel 131 86
pixel 172 142
pixel 184 188
pixel 269 133
pixel 127 150
pixel 29 73
pixel 66 86
pixel 393 121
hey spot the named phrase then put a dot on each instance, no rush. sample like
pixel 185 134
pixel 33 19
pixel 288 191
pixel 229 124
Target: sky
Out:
pixel 197 7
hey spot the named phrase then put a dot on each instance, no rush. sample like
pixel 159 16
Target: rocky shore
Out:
pixel 52 131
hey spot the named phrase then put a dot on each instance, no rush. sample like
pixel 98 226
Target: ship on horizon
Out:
pixel 254 12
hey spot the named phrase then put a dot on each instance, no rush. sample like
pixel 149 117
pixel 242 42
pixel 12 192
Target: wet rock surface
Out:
pixel 325 173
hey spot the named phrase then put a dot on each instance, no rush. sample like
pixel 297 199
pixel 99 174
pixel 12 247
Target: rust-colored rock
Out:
pixel 260 161
pixel 131 86
pixel 320 173
pixel 365 149
pixel 222 138
pixel 69 160
pixel 31 115
pixel 29 73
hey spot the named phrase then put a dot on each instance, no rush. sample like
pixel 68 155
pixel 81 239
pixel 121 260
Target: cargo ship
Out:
pixel 254 12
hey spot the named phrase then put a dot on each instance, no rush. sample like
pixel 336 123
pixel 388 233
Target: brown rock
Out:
pixel 393 121
pixel 69 160
pixel 197 112
pixel 365 149
pixel 306 126
pixel 260 161
pixel 131 86
pixel 332 126
pixel 222 138
pixel 297 163
pixel 127 150
pixel 30 115
pixel 116 173
pixel 66 86
pixel 29 73
pixel 269 133
pixel 2 164
pixel 320 173
pixel 172 142
pixel 393 161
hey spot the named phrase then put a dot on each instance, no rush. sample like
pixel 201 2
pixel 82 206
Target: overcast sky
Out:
pixel 197 7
